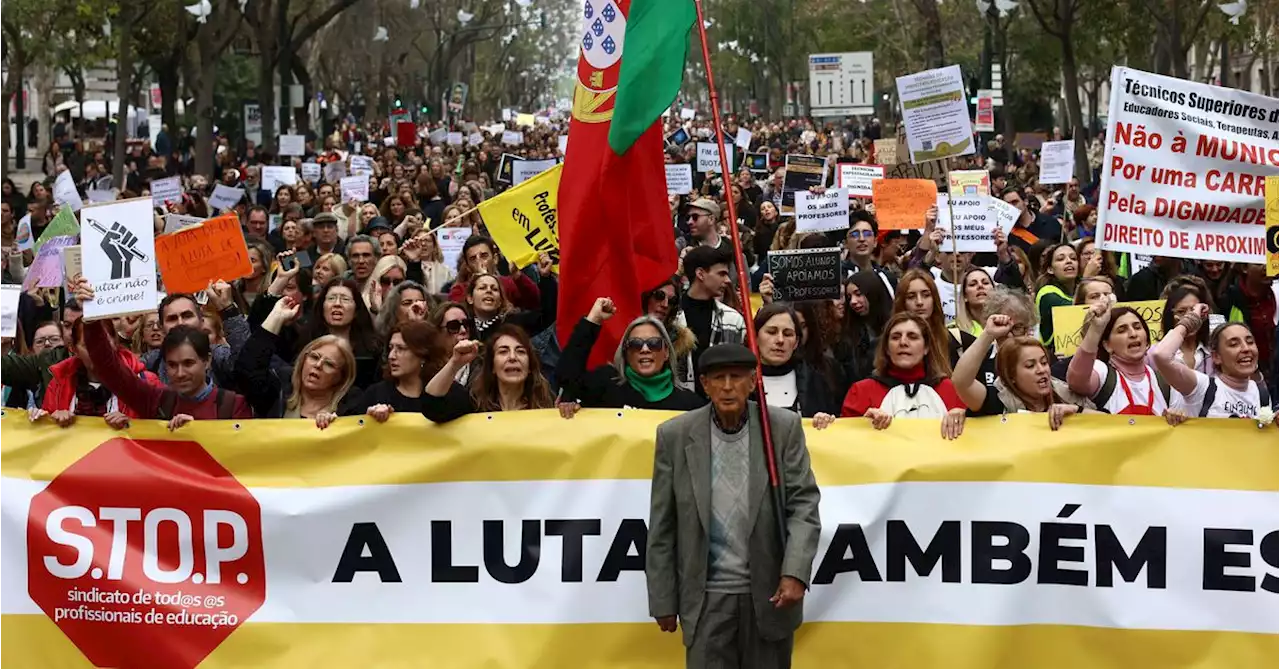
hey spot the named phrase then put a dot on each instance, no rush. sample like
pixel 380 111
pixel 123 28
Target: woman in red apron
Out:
pixel 1110 366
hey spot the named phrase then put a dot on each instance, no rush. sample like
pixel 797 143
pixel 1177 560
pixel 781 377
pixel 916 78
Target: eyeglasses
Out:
pixel 865 234
pixel 637 344
pixel 662 297
pixel 338 298
pixel 325 363
pixel 51 340
pixel 386 281
pixel 1019 329
pixel 456 326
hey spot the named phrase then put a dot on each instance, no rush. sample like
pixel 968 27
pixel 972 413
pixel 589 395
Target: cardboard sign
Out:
pixel 275 176
pixel 293 145
pixel 176 222
pixel 1057 162
pixel 822 212
pixel 902 203
pixel 512 137
pixel 743 140
pixel 119 256
pixel 454 139
pixel 10 298
pixel 886 151
pixel 212 251
pixel 1068 322
pixel 46 270
pixel 935 112
pixel 967 224
pixel 225 197
pixel 523 170
pixel 802 172
pixel 968 183
pixel 505 164
pixel 451 241
pixel 679 179
pixel 311 172
pixel 355 187
pixel 857 178
pixel 1273 220
pixel 164 191
pixel 806 274
pixel 361 165
pixel 65 192
pixel 709 157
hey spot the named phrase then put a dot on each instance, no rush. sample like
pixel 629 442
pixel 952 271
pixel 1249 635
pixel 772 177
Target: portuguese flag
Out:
pixel 616 233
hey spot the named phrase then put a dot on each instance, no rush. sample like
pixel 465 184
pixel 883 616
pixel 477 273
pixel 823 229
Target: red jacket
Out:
pixel 521 291
pixel 62 387
pixel 870 393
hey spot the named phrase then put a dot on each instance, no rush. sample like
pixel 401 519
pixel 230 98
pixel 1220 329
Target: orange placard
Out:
pixel 192 257
pixel 901 203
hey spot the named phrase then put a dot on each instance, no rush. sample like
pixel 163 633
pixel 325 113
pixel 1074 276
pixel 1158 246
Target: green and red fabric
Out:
pixel 616 233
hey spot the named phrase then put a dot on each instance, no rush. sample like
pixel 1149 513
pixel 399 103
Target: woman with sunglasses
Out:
pixel 339 311
pixel 510 378
pixel 454 326
pixel 388 273
pixel 641 375
pixel 413 357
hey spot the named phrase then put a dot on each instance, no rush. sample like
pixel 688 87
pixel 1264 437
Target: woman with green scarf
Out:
pixel 640 377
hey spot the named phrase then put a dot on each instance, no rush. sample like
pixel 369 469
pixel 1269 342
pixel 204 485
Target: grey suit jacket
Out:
pixel 677 555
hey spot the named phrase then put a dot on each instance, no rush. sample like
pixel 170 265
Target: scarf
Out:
pixel 652 388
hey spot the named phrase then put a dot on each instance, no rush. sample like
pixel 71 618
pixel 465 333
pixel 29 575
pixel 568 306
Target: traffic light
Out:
pixel 397 102
pixel 425 110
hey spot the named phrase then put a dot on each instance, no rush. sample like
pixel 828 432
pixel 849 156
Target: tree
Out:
pixel 212 39
pixel 1178 23
pixel 1057 18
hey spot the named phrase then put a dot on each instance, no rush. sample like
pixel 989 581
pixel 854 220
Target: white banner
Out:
pixel 10 296
pixel 176 222
pixel 857 178
pixel 118 252
pixel 820 212
pixel 1184 170
pixel 709 157
pixel 679 178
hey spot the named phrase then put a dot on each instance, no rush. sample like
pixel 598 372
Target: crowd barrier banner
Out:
pixel 517 540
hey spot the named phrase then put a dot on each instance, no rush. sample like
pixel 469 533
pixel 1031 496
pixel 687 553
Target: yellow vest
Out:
pixel 1049 289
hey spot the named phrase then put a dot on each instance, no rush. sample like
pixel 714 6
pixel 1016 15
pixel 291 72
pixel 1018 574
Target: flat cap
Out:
pixel 708 205
pixel 324 218
pixel 723 356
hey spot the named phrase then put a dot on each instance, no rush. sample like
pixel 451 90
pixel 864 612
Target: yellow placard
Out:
pixel 1068 322
pixel 525 120
pixel 523 219
pixel 968 183
pixel 1273 225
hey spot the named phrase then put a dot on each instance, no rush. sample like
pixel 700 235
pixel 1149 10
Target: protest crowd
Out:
pixel 390 294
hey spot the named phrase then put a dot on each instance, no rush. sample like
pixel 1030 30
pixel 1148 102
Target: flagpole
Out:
pixel 744 285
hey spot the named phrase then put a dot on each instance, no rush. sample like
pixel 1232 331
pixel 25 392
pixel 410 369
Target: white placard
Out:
pixel 523 170
pixel 1006 214
pixel 438 136
pixel 23 237
pixel 743 140
pixel 388 141
pixel 821 212
pixel 176 222
pixel 936 114
pixel 166 190
pixel 496 129
pixel 512 137
pixel 968 226
pixel 72 262
pixel 65 192
pixel 709 157
pixel 451 241
pixel 841 84
pixel 1057 162
pixel 334 171
pixel 475 139
pixel 275 176
pixel 293 145
pixel 355 187
pixel 10 297
pixel 225 197
pixel 687 114
pixel 679 179
pixel 311 172
pixel 857 178
pixel 361 165
pixel 563 143
pixel 100 196
pixel 454 139
pixel 118 250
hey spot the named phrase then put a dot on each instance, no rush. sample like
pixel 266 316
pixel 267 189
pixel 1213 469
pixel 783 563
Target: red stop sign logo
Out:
pixel 146 553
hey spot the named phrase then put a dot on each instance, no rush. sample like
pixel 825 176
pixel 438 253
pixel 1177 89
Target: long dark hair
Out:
pixel 1105 355
pixel 536 392
pixel 423 340
pixel 1168 320
pixel 363 336
pixel 879 308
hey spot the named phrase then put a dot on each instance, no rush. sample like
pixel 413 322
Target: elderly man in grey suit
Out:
pixel 716 555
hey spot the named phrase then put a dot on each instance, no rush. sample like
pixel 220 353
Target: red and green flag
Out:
pixel 616 235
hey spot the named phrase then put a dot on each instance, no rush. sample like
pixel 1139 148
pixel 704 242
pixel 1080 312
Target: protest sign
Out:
pixel 967 183
pixel 451 241
pixel 46 270
pixel 679 137
pixel 902 203
pixel 1183 174
pixel 355 187
pixel 176 222
pixel 334 171
pixel 1273 220
pixel 709 157
pixel 1068 322
pixel 857 178
pixel 275 176
pixel 311 172
pixel 806 274
pixel 687 114
pixel 886 151
pixel 65 192
pixel 679 178
pixel 496 129
pixel 164 191
pixel 936 114
pixel 525 120
pixel 801 173
pixel 743 140
pixel 454 139
pixel 10 297
pixel 758 163
pixel 72 261
pixel 523 170
pixel 406 134
pixel 225 197
pixel 438 136
pixel 967 225
pixel 119 257
pixel 821 212
pixel 505 164
pixel 523 220
pixel 562 143
pixel 22 236
pixel 99 196
pixel 512 137
pixel 1006 214
pixel 361 165
pixel 1057 162
pixel 63 225
pixel 984 115
pixel 475 139
pixel 212 251
pixel 293 145
pixel 388 141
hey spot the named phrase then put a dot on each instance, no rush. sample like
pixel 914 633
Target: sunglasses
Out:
pixel 662 297
pixel 387 281
pixel 455 326
pixel 638 344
